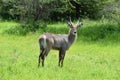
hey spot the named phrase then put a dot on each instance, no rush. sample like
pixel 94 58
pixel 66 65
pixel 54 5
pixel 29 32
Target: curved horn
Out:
pixel 70 20
pixel 70 23
pixel 79 24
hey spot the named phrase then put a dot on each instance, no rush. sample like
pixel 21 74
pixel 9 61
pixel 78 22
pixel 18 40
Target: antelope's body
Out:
pixel 60 42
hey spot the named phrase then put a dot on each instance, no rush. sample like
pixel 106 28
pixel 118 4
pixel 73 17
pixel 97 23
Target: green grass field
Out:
pixel 86 60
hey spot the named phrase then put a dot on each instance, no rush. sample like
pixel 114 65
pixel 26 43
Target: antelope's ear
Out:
pixel 79 25
pixel 69 24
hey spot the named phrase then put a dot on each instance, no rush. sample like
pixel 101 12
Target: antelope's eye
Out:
pixel 75 32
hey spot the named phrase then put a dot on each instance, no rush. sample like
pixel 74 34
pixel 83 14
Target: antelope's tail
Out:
pixel 42 43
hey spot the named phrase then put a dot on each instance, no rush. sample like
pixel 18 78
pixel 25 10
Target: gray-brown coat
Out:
pixel 60 42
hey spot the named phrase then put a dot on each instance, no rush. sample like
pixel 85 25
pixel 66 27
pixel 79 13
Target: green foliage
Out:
pixel 11 9
pixel 57 28
pixel 88 8
pixel 51 9
pixel 24 29
pixel 6 25
pixel 112 11
pixel 92 31
pixel 101 31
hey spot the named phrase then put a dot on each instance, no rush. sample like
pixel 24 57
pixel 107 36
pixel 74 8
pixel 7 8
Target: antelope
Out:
pixel 60 42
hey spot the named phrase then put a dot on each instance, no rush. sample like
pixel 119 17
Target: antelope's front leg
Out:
pixel 61 57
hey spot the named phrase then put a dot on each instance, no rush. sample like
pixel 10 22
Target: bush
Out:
pixel 112 11
pixel 50 9
pixel 24 29
pixel 99 31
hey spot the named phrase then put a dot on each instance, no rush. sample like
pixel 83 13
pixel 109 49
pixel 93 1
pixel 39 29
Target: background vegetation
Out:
pixel 95 54
pixel 32 14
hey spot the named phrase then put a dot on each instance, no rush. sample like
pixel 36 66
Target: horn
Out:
pixel 70 20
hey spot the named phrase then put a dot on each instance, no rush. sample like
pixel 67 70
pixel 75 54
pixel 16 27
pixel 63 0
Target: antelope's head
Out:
pixel 74 27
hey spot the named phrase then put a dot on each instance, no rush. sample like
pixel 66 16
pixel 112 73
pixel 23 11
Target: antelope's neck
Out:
pixel 72 38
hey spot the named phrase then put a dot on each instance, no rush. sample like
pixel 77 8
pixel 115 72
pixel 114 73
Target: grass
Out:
pixel 5 25
pixel 85 60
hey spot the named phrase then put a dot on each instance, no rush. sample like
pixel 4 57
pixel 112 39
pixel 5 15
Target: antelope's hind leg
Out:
pixel 40 57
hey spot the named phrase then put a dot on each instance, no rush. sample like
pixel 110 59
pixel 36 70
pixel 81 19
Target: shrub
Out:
pixel 99 31
pixel 26 28
pixel 112 11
